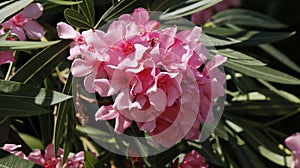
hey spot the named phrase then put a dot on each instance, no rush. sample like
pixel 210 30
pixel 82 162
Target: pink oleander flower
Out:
pixel 193 160
pixel 12 149
pixel 6 56
pixel 24 23
pixel 293 143
pixel 48 159
pixel 152 75
pixel 202 16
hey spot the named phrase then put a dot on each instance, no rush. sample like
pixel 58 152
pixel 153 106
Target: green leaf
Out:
pixel 16 91
pixel 61 2
pixel 247 38
pixel 274 52
pixel 11 108
pixel 274 157
pixel 114 11
pixel 87 8
pixel 76 19
pixel 31 141
pixel 89 160
pixel 244 17
pixel 42 64
pixel 240 58
pixel 263 72
pixel 63 109
pixel 163 5
pixel 187 8
pixel 24 45
pixel 8 160
pixel 10 7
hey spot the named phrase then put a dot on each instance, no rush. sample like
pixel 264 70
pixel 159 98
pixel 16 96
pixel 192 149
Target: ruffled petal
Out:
pixel 80 68
pixel 65 31
pixel 19 32
pixel 33 11
pixel 34 30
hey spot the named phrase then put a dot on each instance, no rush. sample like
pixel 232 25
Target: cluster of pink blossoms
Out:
pixel 48 159
pixel 19 25
pixel 293 143
pixel 152 75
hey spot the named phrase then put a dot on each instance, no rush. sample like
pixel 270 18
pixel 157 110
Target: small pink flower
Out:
pixel 6 56
pixel 193 160
pixel 12 147
pixel 293 143
pixel 202 16
pixel 24 22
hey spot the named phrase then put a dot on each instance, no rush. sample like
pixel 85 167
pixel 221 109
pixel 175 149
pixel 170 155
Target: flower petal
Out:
pixel 34 30
pixel 158 99
pixel 19 32
pixel 65 31
pixel 6 57
pixel 33 11
pixel 80 68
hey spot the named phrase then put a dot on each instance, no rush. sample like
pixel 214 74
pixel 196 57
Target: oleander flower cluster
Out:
pixel 159 78
pixel 47 158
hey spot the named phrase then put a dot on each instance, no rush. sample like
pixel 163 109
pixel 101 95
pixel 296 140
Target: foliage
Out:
pixel 262 102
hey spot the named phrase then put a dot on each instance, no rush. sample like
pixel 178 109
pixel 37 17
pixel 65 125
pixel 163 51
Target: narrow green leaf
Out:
pixel 240 58
pixel 16 91
pixel 24 45
pixel 247 38
pixel 274 52
pixel 87 8
pixel 114 11
pixel 42 64
pixel 187 8
pixel 244 17
pixel 61 2
pixel 163 5
pixel 31 141
pixel 8 160
pixel 274 157
pixel 62 113
pixel 11 108
pixel 263 72
pixel 89 160
pixel 10 7
pixel 76 19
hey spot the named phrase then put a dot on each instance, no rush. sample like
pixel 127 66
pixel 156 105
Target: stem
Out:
pixel 9 71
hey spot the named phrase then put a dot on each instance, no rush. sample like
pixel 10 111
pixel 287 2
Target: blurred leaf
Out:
pixel 247 38
pixel 274 157
pixel 76 19
pixel 89 160
pixel 163 5
pixel 8 8
pixel 211 41
pixel 287 96
pixel 8 160
pixel 16 91
pixel 188 7
pixel 63 109
pixel 24 45
pixel 42 64
pixel 274 52
pixel 240 58
pixel 114 11
pixel 31 141
pixel 87 8
pixel 244 17
pixel 263 72
pixel 261 108
pixel 61 2
pixel 11 108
